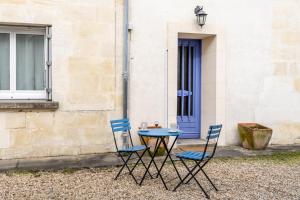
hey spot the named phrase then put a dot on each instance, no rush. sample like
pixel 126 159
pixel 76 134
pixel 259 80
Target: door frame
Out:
pixel 214 67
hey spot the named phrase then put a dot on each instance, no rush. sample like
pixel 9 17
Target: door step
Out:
pixel 191 144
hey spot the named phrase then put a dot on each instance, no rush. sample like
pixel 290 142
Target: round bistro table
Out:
pixel 160 135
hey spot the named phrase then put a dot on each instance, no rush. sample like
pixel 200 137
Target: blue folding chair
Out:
pixel 120 126
pixel 200 159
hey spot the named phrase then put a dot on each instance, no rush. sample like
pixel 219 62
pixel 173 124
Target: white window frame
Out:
pixel 13 93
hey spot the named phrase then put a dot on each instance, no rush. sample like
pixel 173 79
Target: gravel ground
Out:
pixel 235 178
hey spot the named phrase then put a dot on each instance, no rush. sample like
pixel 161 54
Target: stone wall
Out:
pixel 87 63
pixel 255 57
pixel 279 101
pixel 257 61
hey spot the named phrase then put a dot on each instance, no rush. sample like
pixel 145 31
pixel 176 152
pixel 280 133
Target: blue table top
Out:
pixel 159 132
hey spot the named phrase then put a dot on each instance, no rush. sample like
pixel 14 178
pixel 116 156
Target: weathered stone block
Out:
pixel 89 149
pixel 63 150
pixel 42 137
pixel 87 74
pixel 291 38
pixel 285 133
pixel 40 120
pixel 15 120
pixel 20 138
pixel 91 136
pixel 280 24
pixel 4 139
pixel 297 84
pixel 80 119
pixel 280 69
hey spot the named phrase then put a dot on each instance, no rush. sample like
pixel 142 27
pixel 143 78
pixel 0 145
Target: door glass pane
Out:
pixel 179 60
pixel 184 75
pixel 30 60
pixel 185 79
pixel 4 61
pixel 192 80
pixel 186 65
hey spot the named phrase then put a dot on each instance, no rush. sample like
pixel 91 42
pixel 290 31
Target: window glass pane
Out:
pixel 4 61
pixel 30 62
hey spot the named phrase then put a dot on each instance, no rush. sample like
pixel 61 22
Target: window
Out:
pixel 25 62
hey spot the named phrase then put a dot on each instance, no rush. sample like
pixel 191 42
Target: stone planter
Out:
pixel 254 136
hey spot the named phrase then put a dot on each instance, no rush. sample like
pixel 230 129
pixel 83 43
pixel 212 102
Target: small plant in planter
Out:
pixel 254 136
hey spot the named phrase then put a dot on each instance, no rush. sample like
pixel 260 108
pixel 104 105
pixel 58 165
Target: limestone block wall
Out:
pixel 87 63
pixel 257 57
pixel 279 100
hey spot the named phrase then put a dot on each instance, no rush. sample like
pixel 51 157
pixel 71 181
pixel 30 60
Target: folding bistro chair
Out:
pixel 200 159
pixel 121 126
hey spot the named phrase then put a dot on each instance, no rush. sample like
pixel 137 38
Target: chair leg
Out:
pixel 148 149
pixel 125 165
pixel 198 165
pixel 140 160
pixel 193 177
pixel 201 169
pixel 136 162
pixel 195 172
pixel 144 163
pixel 182 181
pixel 209 179
pixel 121 167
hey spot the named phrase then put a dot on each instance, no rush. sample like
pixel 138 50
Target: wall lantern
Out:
pixel 201 15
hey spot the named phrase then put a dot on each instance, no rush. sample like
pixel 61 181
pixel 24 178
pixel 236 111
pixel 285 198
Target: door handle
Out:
pixel 184 93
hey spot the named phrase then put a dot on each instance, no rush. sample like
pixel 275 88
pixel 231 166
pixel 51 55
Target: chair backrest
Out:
pixel 213 138
pixel 120 126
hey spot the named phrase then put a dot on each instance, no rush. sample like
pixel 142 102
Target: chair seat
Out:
pixel 133 148
pixel 192 155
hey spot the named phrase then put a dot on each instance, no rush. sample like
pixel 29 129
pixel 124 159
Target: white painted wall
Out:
pixel 245 62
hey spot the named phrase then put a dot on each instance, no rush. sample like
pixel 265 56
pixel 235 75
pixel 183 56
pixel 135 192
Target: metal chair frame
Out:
pixel 200 162
pixel 123 125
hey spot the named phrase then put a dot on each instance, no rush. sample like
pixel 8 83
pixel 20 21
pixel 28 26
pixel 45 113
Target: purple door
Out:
pixel 188 88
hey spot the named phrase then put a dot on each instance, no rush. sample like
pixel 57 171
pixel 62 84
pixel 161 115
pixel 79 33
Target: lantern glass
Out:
pixel 201 19
pixel 201 15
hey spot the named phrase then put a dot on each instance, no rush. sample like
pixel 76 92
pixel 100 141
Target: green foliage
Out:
pixel 290 158
pixel 279 158
pixel 33 172
pixel 69 171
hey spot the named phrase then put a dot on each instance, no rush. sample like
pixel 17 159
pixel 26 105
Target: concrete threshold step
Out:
pixel 190 142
